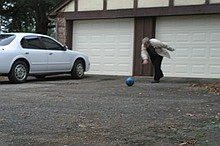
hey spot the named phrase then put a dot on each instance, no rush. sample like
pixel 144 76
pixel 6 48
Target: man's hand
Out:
pixel 170 49
pixel 145 61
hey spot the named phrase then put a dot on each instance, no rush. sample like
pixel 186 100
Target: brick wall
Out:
pixel 61 29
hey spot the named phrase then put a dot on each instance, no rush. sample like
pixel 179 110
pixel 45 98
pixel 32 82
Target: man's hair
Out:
pixel 145 40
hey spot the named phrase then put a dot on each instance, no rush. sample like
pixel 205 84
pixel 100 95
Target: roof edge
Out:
pixel 58 7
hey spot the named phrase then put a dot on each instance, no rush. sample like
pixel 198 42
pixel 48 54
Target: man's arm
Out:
pixel 144 54
pixel 158 44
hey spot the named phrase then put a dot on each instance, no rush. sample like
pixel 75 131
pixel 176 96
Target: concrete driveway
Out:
pixel 103 111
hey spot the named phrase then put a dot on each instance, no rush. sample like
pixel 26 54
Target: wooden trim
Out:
pixel 207 2
pixel 135 4
pixel 58 7
pixel 144 27
pixel 138 35
pixel 69 33
pixel 104 5
pixel 171 3
pixel 145 12
pixel 76 5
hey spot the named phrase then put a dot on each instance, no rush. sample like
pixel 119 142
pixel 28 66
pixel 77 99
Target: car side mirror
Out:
pixel 65 47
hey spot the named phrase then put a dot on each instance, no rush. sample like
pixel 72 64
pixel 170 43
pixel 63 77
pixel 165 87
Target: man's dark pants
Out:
pixel 156 61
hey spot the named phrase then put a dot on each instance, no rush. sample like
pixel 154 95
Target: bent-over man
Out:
pixel 155 50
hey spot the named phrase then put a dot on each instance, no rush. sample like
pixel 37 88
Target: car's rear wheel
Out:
pixel 19 72
pixel 78 70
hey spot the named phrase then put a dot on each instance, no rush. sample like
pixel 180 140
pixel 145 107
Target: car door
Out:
pixel 36 53
pixel 59 59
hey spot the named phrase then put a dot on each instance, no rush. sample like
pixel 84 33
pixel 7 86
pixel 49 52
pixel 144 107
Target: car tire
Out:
pixel 78 70
pixel 19 72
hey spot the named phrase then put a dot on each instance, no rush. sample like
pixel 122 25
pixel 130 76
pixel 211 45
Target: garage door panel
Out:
pixel 183 37
pixel 214 69
pixel 214 53
pixel 108 43
pixel 96 52
pixel 95 39
pixel 122 70
pixel 123 52
pixel 199 37
pixel 199 53
pixel 167 36
pixel 197 43
pixel 168 68
pixel 96 68
pixel 109 39
pixel 124 38
pixel 215 37
pixel 109 67
pixel 82 39
pixel 199 69
pixel 182 53
pixel 181 69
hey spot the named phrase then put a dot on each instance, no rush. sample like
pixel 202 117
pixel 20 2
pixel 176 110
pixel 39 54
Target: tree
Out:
pixel 26 15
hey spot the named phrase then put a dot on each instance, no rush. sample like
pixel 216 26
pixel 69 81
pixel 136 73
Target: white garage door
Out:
pixel 108 43
pixel 197 43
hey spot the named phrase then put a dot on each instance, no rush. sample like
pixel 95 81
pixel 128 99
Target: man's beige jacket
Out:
pixel 160 48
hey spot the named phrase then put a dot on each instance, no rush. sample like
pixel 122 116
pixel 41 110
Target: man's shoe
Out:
pixel 155 81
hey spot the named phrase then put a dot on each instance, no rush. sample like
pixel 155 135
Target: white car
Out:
pixel 24 54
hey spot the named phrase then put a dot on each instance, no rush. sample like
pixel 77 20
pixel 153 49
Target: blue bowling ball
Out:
pixel 130 81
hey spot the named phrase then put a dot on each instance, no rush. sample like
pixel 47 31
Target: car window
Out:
pixel 51 44
pixel 6 39
pixel 32 42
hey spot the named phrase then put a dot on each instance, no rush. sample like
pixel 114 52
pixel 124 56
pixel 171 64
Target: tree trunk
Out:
pixel 41 18
pixel 41 27
pixel 41 24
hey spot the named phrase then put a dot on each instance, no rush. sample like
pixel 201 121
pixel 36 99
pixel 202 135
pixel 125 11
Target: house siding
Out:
pixel 145 13
pixel 90 5
pixel 214 1
pixel 69 8
pixel 152 3
pixel 123 4
pixel 114 9
pixel 188 2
